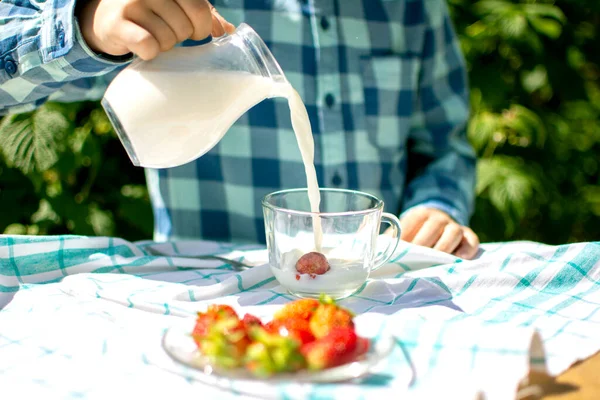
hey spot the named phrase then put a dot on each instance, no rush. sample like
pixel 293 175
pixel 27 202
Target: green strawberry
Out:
pixel 271 353
pixel 225 342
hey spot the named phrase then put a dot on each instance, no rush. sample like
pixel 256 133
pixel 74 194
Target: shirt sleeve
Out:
pixel 441 165
pixel 43 56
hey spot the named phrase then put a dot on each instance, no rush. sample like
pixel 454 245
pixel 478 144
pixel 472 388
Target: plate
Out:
pixel 179 345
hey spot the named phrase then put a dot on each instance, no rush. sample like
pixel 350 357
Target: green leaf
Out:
pixel 34 140
pixel 545 26
pixel 100 122
pixel 477 30
pixel 544 10
pixel 482 128
pixel 580 110
pixel 535 79
pixel 15 229
pixel 513 25
pixel 485 7
pixel 591 195
pixel 102 221
pixel 526 123
pixel 510 186
pixel 534 44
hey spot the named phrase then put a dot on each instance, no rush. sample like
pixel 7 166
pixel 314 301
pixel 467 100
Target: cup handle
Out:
pixel 393 221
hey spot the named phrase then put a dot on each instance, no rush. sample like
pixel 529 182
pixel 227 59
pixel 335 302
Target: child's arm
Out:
pixel 46 55
pixel 442 161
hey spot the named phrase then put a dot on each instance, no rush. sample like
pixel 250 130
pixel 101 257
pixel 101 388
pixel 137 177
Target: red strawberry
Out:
pixel 313 263
pixel 203 322
pixel 302 309
pixel 205 319
pixel 250 320
pixel 221 310
pixel 340 346
pixel 362 346
pixel 226 342
pixel 221 336
pixel 328 316
pixel 294 328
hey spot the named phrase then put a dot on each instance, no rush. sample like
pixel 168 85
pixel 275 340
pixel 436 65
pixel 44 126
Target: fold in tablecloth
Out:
pixel 84 317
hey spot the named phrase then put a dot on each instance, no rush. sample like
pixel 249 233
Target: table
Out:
pixel 585 377
pixel 461 326
pixel 580 382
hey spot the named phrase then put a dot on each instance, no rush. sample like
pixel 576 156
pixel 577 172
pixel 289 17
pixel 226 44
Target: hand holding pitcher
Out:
pixel 147 27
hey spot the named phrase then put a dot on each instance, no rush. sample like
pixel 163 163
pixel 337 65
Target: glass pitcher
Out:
pixel 173 109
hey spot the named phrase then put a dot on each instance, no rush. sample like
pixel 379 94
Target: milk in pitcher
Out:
pixel 163 133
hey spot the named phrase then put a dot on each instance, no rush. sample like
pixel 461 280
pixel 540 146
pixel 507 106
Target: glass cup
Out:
pixel 350 224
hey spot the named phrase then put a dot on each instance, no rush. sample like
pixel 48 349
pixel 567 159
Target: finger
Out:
pixel 139 41
pixel 175 17
pixel 430 232
pixel 450 239
pixel 154 24
pixel 227 26
pixel 198 12
pixel 411 223
pixel 469 244
pixel 217 28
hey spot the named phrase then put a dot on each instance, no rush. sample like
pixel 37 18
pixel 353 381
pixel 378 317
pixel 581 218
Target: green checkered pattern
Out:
pixel 83 317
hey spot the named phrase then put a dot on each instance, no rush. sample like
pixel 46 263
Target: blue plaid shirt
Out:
pixel 383 80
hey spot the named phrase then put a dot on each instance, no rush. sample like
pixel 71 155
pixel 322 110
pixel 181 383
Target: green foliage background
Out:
pixel 534 74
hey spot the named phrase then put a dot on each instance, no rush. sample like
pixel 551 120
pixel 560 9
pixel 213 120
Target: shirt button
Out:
pixel 60 34
pixel 337 180
pixel 329 100
pixel 10 66
pixel 61 38
pixel 324 23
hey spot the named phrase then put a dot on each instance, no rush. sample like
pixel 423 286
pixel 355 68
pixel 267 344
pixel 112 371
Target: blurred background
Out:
pixel 535 91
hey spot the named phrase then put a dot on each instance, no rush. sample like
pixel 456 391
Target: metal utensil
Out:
pixel 240 266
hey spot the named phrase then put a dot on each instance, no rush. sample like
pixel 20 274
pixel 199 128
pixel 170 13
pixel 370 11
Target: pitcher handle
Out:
pixel 382 258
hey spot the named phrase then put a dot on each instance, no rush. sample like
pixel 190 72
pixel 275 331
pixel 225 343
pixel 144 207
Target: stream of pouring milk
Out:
pixel 306 143
pixel 166 133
